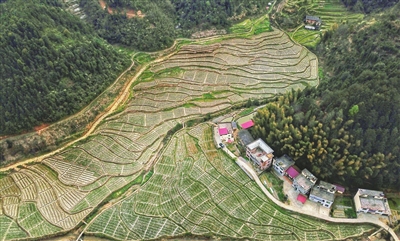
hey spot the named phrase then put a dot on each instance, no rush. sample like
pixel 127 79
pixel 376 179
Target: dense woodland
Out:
pixel 164 20
pixel 52 64
pixel 368 6
pixel 346 130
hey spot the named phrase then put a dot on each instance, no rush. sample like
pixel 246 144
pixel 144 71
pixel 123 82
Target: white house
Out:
pixel 225 131
pixel 260 153
pixel 324 194
pixel 370 201
pixel 304 182
pixel 281 164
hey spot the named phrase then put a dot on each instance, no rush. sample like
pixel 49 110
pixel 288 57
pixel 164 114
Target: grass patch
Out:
pixel 243 27
pixel 169 72
pixel 188 105
pixel 118 193
pixel 205 97
pixel 246 111
pixel 344 201
pixel 277 184
pixel 142 58
pixel 350 213
pixel 262 26
pixel 394 203
pixel 147 176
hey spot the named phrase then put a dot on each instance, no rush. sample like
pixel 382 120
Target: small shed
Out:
pixel 301 198
pixel 223 131
pixel 234 125
pixel 339 189
pixel 292 172
pixel 247 124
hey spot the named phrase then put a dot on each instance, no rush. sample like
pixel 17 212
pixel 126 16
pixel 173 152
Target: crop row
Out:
pixel 200 195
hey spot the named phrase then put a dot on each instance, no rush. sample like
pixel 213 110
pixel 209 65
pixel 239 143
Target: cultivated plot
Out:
pixel 199 79
pixel 203 192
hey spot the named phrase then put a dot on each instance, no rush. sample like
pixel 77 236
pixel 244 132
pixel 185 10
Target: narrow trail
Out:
pixel 121 97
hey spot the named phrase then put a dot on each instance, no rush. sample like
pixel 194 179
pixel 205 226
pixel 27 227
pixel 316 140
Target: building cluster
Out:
pixel 303 181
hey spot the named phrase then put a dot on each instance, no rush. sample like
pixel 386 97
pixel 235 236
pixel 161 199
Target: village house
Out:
pixel 282 163
pixel 225 131
pixel 304 182
pixel 324 194
pixel 370 201
pixel 245 137
pixel 260 153
pixel 312 22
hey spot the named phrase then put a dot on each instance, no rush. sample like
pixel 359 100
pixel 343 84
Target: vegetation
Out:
pixel 332 14
pixel 196 190
pixel 368 6
pixel 162 21
pixel 277 184
pixel 127 143
pixel 52 64
pixel 347 129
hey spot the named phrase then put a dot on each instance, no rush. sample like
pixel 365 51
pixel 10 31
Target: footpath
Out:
pixel 362 219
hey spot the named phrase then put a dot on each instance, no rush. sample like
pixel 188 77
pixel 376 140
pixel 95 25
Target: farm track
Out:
pixel 120 147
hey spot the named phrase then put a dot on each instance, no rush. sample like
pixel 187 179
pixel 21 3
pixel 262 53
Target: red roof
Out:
pixel 339 188
pixel 292 172
pixel 247 124
pixel 223 131
pixel 301 198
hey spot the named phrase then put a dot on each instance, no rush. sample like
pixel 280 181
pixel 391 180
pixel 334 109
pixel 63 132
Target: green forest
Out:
pixel 52 64
pixel 164 20
pixel 347 129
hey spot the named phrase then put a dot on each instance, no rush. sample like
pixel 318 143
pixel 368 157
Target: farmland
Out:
pixel 193 188
pixel 197 190
pixel 332 13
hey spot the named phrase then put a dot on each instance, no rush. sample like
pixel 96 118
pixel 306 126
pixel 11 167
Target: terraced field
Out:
pixel 57 194
pixel 331 12
pixel 197 190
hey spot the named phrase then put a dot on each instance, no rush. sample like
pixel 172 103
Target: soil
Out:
pixel 39 129
pixel 130 13
pixel 208 33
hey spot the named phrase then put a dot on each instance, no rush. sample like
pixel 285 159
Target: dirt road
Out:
pixel 363 219
pixel 121 97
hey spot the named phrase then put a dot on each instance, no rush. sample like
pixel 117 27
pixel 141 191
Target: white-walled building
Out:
pixel 260 153
pixel 324 194
pixel 370 201
pixel 304 182
pixel 281 164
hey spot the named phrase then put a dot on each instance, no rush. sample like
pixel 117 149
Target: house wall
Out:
pixel 278 169
pixel 322 201
pixel 299 188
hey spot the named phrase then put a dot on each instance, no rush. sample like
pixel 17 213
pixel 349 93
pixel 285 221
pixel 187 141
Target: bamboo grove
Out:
pixel 326 146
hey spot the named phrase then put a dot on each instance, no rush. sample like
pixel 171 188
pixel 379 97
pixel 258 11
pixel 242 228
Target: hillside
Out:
pixel 52 64
pixel 170 181
pixel 162 21
pixel 347 129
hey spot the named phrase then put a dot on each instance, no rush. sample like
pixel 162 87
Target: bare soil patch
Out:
pixel 130 13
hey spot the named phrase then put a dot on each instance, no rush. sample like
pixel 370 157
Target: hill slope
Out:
pixel 348 129
pixel 52 64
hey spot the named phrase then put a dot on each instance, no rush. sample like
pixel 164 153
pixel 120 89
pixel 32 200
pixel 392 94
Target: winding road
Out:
pixel 363 219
